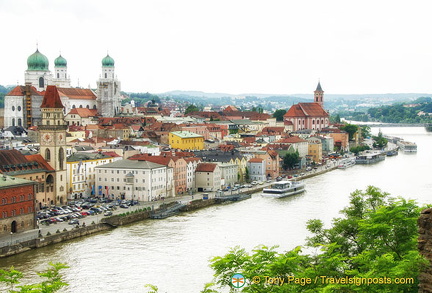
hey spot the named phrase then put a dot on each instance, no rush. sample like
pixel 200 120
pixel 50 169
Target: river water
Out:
pixel 174 253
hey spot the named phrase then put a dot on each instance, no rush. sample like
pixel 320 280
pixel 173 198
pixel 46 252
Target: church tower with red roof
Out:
pixel 52 133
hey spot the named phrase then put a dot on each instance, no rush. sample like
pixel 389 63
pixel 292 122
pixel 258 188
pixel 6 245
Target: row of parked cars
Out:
pixel 73 212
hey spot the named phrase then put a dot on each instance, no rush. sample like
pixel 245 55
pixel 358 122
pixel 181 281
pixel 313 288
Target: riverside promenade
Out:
pixel 95 223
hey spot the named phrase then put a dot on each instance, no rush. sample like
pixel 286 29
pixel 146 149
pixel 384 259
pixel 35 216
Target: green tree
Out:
pixel 365 131
pixel 247 176
pixel 191 108
pixel 376 237
pixel 379 141
pixel 278 114
pixel 53 280
pixel 290 160
pixel 351 129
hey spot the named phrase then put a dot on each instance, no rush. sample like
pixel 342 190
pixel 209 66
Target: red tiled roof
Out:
pixel 40 160
pixel 291 139
pixel 305 110
pixel 205 167
pixel 84 112
pixel 20 91
pixel 51 98
pixel 154 159
pixel 77 93
pixel 256 160
pixel 111 154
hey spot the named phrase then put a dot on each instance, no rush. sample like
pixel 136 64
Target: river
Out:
pixel 174 253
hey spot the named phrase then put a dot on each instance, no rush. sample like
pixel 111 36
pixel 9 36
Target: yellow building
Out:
pixel 185 140
pixel 315 151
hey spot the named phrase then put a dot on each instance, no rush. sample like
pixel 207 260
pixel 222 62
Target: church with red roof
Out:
pixel 309 115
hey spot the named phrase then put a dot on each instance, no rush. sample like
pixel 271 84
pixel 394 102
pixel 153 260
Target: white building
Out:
pixel 81 174
pixel 257 170
pixel 208 177
pixel 133 179
pixel 229 174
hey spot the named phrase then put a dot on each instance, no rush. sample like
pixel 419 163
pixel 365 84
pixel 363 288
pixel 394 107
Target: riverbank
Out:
pixel 56 233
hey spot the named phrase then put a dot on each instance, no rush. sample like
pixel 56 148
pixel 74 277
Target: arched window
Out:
pixel 48 155
pixel 13 121
pixel 61 158
pixel 19 122
pixel 41 82
pixel 73 107
pixel 94 107
pixel 80 106
pixel 88 107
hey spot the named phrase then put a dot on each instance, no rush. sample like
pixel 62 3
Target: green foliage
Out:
pixel 153 288
pixel 365 131
pixel 141 98
pixel 376 237
pixel 351 129
pixel 379 141
pixel 279 114
pixel 335 119
pixel 400 113
pixel 290 160
pixel 191 108
pixel 53 280
pixel 357 149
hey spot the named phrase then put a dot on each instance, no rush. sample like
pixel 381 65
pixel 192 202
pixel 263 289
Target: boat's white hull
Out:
pixel 284 194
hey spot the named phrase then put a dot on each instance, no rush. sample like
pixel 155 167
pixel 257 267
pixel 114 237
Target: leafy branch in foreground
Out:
pixel 52 283
pixel 376 238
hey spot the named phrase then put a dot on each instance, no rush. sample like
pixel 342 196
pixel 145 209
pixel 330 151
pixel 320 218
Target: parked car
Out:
pixel 74 222
pixel 108 213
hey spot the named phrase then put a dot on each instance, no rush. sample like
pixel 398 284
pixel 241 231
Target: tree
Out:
pixel 376 238
pixel 246 175
pixel 191 108
pixel 351 129
pixel 365 131
pixel 279 114
pixel 290 160
pixel 53 283
pixel 379 141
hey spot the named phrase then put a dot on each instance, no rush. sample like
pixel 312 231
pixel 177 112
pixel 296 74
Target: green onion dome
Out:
pixel 37 61
pixel 108 61
pixel 60 62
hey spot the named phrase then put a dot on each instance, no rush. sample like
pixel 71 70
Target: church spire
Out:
pixel 319 95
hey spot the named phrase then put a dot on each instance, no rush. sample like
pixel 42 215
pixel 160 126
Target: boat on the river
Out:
pixel 283 189
pixel 369 157
pixel 346 163
pixel 407 147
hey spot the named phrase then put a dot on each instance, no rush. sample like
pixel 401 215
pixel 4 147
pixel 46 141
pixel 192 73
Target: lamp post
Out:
pixel 11 233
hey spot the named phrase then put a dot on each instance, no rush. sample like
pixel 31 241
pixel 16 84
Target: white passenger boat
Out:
pixel 346 163
pixel 283 188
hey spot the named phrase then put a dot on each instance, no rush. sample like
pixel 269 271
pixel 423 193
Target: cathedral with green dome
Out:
pixel 22 104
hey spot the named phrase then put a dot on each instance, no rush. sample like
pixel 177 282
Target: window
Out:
pixel 19 108
pixel 41 82
pixel 48 155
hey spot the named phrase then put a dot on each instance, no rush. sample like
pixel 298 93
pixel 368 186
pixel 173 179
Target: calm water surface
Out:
pixel 174 253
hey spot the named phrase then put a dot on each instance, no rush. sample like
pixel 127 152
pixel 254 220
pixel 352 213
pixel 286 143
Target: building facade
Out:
pixel 185 140
pixel 52 133
pixel 134 180
pixel 17 205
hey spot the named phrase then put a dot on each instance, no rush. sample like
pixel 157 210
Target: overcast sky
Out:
pixel 231 46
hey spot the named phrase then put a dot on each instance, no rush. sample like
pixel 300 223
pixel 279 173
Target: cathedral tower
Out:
pixel 108 91
pixel 61 78
pixel 319 95
pixel 52 132
pixel 37 73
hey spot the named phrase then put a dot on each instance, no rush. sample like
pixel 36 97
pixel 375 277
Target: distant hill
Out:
pixel 391 96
